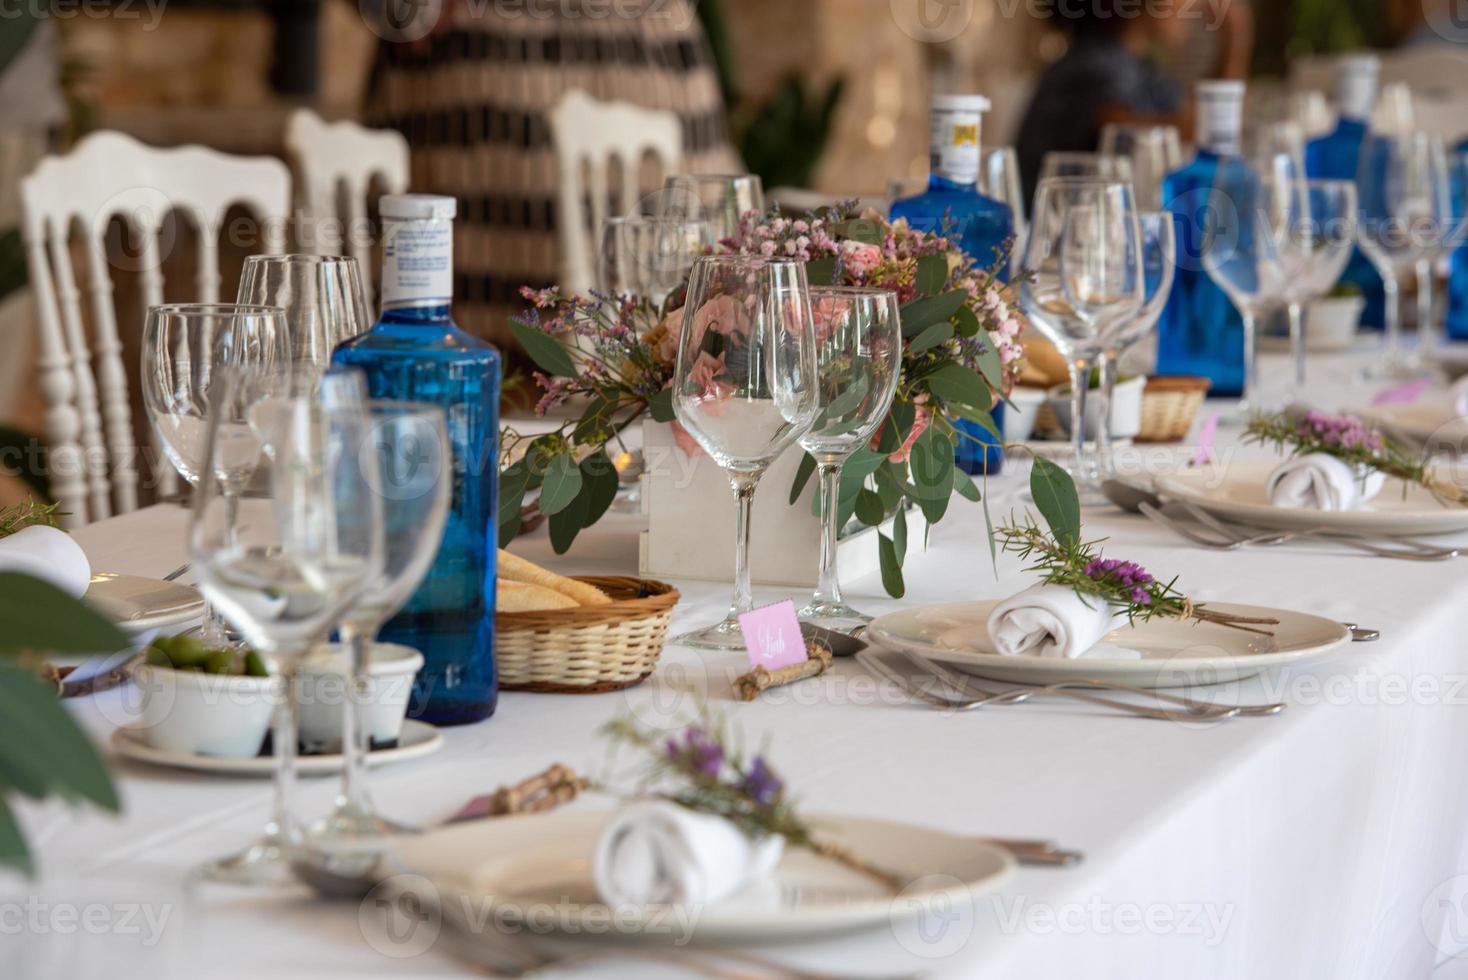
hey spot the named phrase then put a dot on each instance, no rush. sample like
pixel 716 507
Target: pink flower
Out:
pixel 723 315
pixel 860 258
pixel 829 311
pixel 667 347
pixel 1009 327
pixel 706 370
pixel 920 423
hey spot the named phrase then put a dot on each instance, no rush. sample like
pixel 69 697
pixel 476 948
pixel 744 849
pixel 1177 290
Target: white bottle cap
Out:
pixel 1220 115
pixel 961 103
pixel 954 135
pixel 1355 85
pixel 418 207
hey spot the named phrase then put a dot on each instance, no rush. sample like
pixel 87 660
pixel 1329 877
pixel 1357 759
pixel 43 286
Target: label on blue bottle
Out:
pixel 418 263
pixel 955 145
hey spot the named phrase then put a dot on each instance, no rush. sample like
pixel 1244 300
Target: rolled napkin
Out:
pixel 1458 397
pixel 1320 481
pixel 653 852
pixel 47 553
pixel 1052 621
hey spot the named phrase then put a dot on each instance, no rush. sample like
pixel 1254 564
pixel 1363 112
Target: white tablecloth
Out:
pixel 1326 842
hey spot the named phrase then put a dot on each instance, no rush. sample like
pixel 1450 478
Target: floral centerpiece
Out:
pixel 616 354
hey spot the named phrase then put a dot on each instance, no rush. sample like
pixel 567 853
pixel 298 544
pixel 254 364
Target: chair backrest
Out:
pixel 595 133
pixel 336 163
pixel 112 175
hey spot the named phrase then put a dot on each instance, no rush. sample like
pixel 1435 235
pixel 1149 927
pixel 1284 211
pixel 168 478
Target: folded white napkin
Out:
pixel 657 853
pixel 1320 481
pixel 1053 621
pixel 1458 397
pixel 47 553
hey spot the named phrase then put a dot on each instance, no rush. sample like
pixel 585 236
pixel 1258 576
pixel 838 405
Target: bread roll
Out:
pixel 515 597
pixel 1045 366
pixel 517 569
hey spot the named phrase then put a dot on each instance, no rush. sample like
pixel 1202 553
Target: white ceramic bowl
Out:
pixel 391 668
pixel 1019 415
pixel 1331 322
pixel 1126 408
pixel 204 714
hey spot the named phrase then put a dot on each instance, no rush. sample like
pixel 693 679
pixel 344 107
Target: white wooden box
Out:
pixel 690 521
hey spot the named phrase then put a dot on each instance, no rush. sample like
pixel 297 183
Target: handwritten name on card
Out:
pixel 772 636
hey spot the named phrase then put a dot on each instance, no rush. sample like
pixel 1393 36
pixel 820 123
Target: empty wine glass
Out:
pixel 186 348
pixel 745 387
pixel 1087 285
pixel 858 336
pixel 1320 238
pixel 413 470
pixel 1404 207
pixel 718 200
pixel 1154 152
pixel 648 257
pixel 999 178
pixel 1159 259
pixel 1097 166
pixel 321 296
pixel 1244 253
pixel 287 574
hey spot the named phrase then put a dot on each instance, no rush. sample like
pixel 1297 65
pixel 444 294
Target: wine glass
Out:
pixel 858 336
pixel 1097 166
pixel 185 349
pixel 718 200
pixel 1244 252
pixel 1154 152
pixel 999 178
pixel 321 296
pixel 1320 238
pixel 1087 285
pixel 413 467
pixel 1404 206
pixel 745 387
pixel 648 257
pixel 1158 231
pixel 299 561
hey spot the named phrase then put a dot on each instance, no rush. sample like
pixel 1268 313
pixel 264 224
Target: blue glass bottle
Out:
pixel 1200 332
pixel 953 205
pixel 416 353
pixel 1334 156
pixel 1458 271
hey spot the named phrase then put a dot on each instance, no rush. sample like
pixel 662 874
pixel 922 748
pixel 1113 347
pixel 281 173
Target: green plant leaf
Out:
pixel 595 424
pixel 900 419
pixel 899 535
pixel 565 524
pixel 955 384
pixel 599 485
pixel 993 545
pixel 982 419
pixel 660 406
pixel 513 482
pixel 965 486
pixel 562 484
pixel 863 230
pixel 23 455
pixel 869 509
pixel 1055 496
pixel 891 567
pixel 931 467
pixel 822 271
pixel 39 616
pixel 932 274
pixel 803 474
pixel 548 353
pixel 889 484
pixel 920 314
pixel 966 321
pixel 43 741
pixel 13 850
pixel 938 333
pixel 992 368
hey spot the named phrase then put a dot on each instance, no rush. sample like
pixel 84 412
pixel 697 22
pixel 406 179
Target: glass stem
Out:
pixel 1426 328
pixel 828 588
pixel 356 739
pixel 1106 367
pixel 283 829
pixel 1393 319
pixel 1080 380
pixel 1251 366
pixel 214 631
pixel 1297 343
pixel 744 484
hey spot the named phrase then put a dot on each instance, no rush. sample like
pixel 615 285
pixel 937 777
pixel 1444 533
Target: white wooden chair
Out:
pixel 112 175
pixel 591 133
pixel 336 163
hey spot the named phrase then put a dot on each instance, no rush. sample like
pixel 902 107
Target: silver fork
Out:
pixel 1232 540
pixel 1237 528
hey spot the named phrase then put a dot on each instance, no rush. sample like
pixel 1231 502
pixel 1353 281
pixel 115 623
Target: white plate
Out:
pixel 1238 492
pixel 137 604
pixel 1174 653
pixel 418 739
pixel 1429 420
pixel 525 865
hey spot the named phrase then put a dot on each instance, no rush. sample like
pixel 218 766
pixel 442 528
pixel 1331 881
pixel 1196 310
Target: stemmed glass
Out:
pixel 1320 238
pixel 1159 260
pixel 745 387
pixel 858 336
pixel 1097 166
pixel 1085 251
pixel 999 178
pixel 648 257
pixel 1154 152
pixel 1245 254
pixel 321 296
pixel 1404 207
pixel 719 200
pixel 301 559
pixel 185 349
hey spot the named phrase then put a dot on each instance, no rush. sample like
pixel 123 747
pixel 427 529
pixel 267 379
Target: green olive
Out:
pixel 158 657
pixel 255 665
pixel 219 662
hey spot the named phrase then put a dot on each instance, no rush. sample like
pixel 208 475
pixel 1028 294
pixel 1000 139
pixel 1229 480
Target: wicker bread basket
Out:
pixel 1169 405
pixel 588 649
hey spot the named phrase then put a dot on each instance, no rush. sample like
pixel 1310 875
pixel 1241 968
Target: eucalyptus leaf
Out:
pixel 920 314
pixel 869 509
pixel 599 485
pixel 548 353
pixel 660 406
pixel 932 274
pixel 899 534
pixel 13 850
pixel 565 524
pixel 595 424
pixel 42 739
pixel 955 384
pixel 39 616
pixel 822 271
pixel 514 480
pixel 862 230
pixel 562 484
pixel 1055 495
pixel 803 474
pixel 891 567
pixel 982 419
pixel 900 419
pixel 991 366
pixel 965 486
pixel 931 466
pixel 966 321
pixel 844 404
pixel 938 333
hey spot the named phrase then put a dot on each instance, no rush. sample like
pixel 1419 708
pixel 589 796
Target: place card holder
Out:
pixel 818 660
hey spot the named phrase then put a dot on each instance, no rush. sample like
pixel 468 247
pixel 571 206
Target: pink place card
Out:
pixel 772 636
pixel 1403 394
pixel 1206 437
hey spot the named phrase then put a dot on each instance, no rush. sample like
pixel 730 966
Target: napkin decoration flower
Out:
pixel 1353 442
pixel 700 768
pixel 27 514
pixel 1123 585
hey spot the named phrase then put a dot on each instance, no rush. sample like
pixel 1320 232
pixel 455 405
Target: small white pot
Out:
pixel 391 668
pixel 221 715
pixel 1330 324
pixel 1126 408
pixel 1019 415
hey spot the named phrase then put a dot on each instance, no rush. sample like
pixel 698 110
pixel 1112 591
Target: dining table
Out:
pixel 1325 842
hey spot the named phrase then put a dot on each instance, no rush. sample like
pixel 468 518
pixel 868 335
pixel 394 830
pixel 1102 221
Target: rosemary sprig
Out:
pixel 28 514
pixel 1125 586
